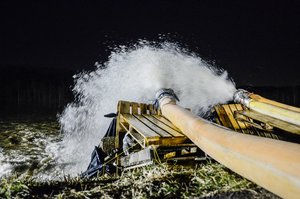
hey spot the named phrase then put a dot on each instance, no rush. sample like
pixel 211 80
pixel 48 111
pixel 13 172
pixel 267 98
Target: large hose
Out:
pixel 272 164
pixel 268 107
pixel 259 98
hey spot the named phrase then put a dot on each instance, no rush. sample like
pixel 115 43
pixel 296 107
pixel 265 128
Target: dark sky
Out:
pixel 257 42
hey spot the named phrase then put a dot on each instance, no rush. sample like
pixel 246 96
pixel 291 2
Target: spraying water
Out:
pixel 135 74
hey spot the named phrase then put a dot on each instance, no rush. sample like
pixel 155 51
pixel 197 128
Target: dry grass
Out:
pixel 207 180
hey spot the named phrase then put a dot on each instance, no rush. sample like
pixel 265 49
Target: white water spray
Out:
pixel 135 74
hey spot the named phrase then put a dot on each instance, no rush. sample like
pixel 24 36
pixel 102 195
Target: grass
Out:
pixel 206 180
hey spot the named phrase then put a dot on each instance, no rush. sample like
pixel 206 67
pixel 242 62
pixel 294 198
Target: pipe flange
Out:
pixel 164 93
pixel 241 96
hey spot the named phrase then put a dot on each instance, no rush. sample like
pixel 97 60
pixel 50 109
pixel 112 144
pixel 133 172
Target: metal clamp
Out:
pixel 241 96
pixel 163 93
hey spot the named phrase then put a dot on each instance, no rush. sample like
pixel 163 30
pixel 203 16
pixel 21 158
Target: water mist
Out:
pixel 135 74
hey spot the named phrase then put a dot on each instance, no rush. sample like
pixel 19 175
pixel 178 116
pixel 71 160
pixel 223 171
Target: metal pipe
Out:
pixel 268 107
pixel 272 164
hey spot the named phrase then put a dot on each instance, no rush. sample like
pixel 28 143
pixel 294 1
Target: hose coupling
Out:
pixel 164 93
pixel 241 96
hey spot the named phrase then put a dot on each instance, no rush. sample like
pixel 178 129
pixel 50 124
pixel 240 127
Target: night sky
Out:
pixel 257 42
